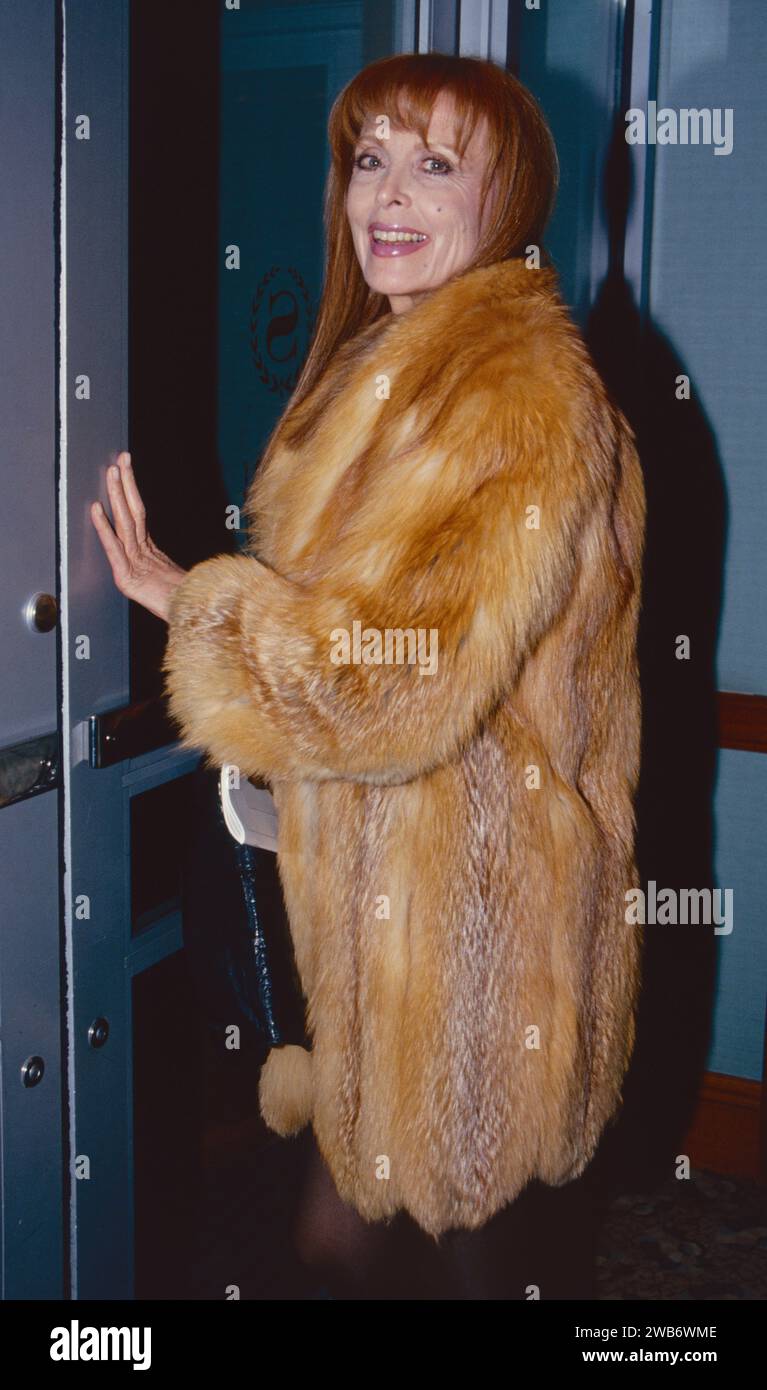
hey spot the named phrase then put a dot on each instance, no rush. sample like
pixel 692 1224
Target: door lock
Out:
pixel 41 613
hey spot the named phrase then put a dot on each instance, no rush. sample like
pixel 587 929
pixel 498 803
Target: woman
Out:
pixel 428 650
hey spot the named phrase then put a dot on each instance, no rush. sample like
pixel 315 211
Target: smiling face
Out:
pixel 414 209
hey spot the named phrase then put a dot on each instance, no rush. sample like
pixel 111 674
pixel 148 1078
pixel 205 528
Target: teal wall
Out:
pixel 740 818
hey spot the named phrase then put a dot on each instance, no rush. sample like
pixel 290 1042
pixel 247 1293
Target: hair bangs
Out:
pixel 406 91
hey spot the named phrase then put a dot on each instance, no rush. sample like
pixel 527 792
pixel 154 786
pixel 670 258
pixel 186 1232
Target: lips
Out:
pixel 394 245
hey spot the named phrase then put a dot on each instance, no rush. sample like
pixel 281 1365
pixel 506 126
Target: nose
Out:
pixel 392 189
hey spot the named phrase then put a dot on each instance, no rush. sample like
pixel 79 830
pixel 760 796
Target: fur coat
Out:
pixel 456 820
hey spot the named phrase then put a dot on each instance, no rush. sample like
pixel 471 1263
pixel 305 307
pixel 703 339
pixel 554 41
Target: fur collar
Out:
pixel 489 357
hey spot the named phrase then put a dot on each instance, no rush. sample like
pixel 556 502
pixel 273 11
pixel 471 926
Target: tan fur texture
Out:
pixel 285 1089
pixel 505 897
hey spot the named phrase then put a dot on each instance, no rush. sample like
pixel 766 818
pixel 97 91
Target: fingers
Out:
pixel 114 548
pixel 124 522
pixel 133 496
pixel 140 571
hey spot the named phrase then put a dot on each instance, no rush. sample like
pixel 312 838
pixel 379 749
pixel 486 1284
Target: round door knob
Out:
pixel 98 1032
pixel 32 1071
pixel 41 613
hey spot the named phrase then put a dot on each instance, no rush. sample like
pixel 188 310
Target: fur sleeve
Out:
pixel 254 663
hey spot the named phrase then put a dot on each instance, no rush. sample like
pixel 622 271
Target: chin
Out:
pixel 388 278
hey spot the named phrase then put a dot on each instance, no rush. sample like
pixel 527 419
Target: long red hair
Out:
pixel 522 161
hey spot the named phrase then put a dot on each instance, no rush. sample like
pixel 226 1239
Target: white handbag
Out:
pixel 249 812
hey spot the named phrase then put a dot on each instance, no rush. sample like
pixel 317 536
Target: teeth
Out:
pixel 398 236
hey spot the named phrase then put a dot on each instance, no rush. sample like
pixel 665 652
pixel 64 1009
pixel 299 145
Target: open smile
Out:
pixel 395 240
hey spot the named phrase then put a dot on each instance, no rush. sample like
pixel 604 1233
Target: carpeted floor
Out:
pixel 701 1238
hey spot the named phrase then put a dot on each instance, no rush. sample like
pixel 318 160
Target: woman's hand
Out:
pixel 139 569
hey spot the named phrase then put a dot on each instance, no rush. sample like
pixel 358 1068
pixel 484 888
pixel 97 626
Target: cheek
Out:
pixel 456 227
pixel 456 218
pixel 353 206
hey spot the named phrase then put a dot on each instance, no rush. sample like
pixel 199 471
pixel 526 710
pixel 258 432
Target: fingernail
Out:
pixel 114 470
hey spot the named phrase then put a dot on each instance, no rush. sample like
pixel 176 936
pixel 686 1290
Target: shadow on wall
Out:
pixel 682 594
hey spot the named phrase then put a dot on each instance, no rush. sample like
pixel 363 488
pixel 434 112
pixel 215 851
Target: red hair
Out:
pixel 522 161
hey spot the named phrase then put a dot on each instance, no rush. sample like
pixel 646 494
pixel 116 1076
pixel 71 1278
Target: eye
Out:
pixel 359 164
pixel 434 159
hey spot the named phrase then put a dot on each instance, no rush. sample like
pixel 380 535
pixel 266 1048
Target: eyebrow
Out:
pixel 376 139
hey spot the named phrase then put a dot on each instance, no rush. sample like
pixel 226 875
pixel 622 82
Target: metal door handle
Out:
pixel 130 731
